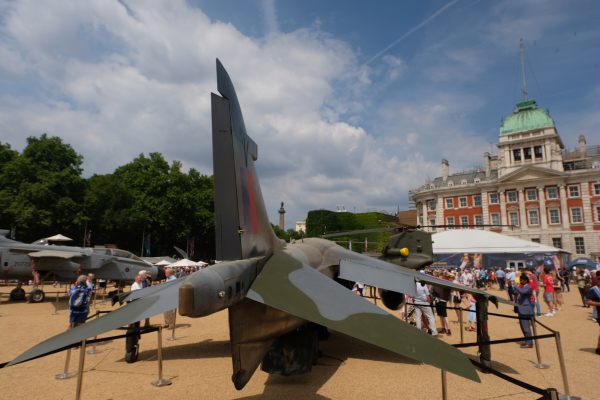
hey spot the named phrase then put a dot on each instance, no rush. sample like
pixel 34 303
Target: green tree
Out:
pixel 42 188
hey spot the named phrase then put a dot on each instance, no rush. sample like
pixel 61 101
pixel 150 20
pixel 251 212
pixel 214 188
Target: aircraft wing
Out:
pixel 157 299
pixel 289 285
pixel 67 255
pixel 388 276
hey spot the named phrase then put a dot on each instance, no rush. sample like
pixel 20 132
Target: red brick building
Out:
pixel 549 195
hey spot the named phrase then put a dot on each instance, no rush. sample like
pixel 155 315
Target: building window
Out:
pixel 450 183
pixel 535 240
pixel 450 222
pixel 596 189
pixel 513 217
pixel 431 205
pixel 532 194
pixel 552 192
pixel 527 153
pixel 574 191
pixel 557 242
pixel 512 196
pixel 597 209
pixel 450 203
pixel 463 182
pixel 477 201
pixel 576 215
pixel 517 154
pixel 554 216
pixel 493 198
pixel 462 202
pixel 538 153
pixel 432 222
pixel 579 245
pixel 464 220
pixel 495 218
pixel 477 180
pixel 534 217
pixel 479 220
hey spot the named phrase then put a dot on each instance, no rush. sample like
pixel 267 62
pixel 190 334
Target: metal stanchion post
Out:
pixel 444 386
pixel 93 350
pixel 539 364
pixel 563 368
pixel 460 323
pixel 66 374
pixel 160 381
pixel 80 371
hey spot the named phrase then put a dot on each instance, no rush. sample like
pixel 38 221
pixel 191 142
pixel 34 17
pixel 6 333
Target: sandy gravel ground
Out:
pixel 199 365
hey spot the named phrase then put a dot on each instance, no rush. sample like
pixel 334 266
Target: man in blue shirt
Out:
pixel 592 298
pixel 79 297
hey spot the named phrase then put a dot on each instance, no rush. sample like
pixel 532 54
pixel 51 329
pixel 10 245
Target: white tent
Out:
pixel 457 241
pixel 163 262
pixel 184 263
pixel 201 264
pixel 59 238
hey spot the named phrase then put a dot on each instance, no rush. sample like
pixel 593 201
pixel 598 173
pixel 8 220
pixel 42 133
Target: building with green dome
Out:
pixel 546 193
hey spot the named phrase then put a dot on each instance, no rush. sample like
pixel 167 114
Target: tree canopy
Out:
pixel 145 201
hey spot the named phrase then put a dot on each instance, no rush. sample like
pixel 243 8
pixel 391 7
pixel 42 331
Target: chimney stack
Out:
pixel 582 145
pixel 488 164
pixel 445 169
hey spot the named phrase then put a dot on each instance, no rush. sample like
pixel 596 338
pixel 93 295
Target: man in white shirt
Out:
pixel 423 307
pixel 137 285
pixel 169 315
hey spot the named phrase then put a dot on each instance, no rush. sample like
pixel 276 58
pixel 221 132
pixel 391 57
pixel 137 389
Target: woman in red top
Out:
pixel 548 283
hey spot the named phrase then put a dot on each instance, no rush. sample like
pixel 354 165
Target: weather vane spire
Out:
pixel 522 51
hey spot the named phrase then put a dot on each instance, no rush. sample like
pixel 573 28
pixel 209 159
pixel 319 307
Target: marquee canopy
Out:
pixel 485 242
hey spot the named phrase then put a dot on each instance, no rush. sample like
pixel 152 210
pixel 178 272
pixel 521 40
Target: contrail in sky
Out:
pixel 410 32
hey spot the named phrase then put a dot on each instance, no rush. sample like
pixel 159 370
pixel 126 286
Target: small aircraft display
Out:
pixel 64 263
pixel 281 298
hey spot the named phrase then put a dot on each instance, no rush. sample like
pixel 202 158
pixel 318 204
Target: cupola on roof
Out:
pixel 526 117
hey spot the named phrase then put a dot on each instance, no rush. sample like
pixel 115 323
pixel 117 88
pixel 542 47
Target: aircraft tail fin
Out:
pixel 242 227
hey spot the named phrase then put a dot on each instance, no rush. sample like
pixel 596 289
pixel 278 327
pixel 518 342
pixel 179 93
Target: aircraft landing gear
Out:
pixel 36 296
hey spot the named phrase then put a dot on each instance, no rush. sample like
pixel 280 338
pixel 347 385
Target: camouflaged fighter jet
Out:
pixel 64 263
pixel 280 297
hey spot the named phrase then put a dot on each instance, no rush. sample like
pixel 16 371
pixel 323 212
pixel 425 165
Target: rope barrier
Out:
pixel 509 378
pixel 500 341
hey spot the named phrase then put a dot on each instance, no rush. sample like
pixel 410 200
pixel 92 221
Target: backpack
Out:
pixel 79 299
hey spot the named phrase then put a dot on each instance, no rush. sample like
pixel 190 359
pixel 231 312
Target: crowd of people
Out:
pixel 536 290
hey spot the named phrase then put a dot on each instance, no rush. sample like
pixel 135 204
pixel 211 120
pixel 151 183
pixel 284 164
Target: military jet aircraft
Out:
pixel 64 263
pixel 280 297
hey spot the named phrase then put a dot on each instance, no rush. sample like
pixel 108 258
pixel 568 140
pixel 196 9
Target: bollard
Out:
pixel 66 374
pixel 444 386
pixel 563 368
pixel 56 305
pixel 160 381
pixel 539 364
pixel 93 350
pixel 460 324
pixel 80 371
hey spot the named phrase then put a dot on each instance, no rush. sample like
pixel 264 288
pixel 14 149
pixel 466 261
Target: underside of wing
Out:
pixel 157 299
pixel 288 285
pixel 388 276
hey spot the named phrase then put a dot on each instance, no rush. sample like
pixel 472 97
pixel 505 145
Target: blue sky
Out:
pixel 350 102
